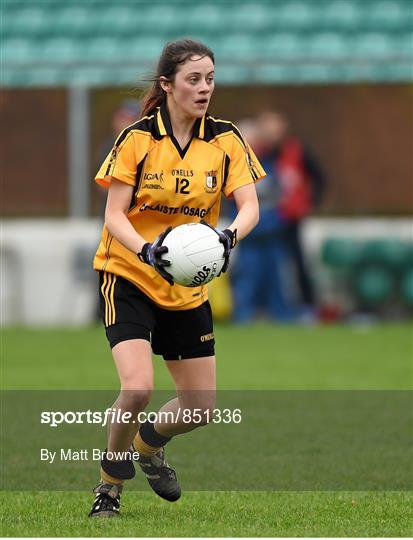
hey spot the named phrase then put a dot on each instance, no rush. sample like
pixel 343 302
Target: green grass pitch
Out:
pixel 260 356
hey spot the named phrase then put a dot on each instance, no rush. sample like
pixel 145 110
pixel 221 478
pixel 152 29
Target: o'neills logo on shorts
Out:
pixel 207 337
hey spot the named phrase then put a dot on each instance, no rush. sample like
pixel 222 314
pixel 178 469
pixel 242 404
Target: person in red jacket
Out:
pixel 300 185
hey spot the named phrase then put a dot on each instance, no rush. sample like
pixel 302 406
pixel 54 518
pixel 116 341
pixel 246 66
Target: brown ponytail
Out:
pixel 174 53
pixel 153 98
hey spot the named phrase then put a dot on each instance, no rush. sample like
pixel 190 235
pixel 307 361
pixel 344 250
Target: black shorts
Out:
pixel 128 313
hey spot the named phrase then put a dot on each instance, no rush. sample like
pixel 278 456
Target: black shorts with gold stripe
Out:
pixel 128 313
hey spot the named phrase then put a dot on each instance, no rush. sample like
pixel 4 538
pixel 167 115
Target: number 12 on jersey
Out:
pixel 181 186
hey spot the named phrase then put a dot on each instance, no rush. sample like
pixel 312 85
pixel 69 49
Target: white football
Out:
pixel 195 253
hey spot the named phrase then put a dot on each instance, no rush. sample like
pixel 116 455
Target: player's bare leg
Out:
pixel 195 384
pixel 136 390
pixel 133 360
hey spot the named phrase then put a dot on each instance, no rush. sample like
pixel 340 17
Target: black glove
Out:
pixel 152 254
pixel 228 238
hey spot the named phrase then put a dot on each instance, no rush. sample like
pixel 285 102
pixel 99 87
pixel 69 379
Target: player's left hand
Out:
pixel 229 239
pixel 152 254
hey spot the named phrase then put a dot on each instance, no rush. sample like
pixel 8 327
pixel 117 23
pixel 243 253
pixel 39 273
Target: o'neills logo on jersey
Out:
pixel 153 176
pixel 182 172
pixel 211 181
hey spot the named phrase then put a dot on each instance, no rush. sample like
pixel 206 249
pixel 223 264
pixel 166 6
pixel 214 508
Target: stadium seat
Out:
pixel 341 253
pixel 27 21
pixel 91 75
pixel 314 72
pixel 403 45
pixel 327 45
pixel 41 77
pixel 385 71
pixel 119 21
pixel 126 50
pixel 17 78
pixel 292 72
pixel 389 252
pixel 294 15
pixel 238 47
pixel 207 18
pixel 247 18
pixel 374 45
pixel 230 73
pixel 279 46
pixel 73 20
pixel 374 284
pixel 18 50
pixel 159 19
pixel 145 49
pixel 388 15
pixel 271 74
pixel 103 50
pixel 339 15
pixel 60 50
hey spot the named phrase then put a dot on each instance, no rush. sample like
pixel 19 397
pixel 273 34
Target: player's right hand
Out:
pixel 152 254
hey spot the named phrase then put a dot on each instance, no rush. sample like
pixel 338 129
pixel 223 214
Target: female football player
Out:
pixel 167 169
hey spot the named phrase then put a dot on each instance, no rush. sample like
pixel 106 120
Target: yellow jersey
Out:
pixel 171 186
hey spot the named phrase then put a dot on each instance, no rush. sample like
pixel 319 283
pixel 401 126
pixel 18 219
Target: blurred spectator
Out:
pixel 271 266
pixel 300 183
pixel 126 113
pixel 259 272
